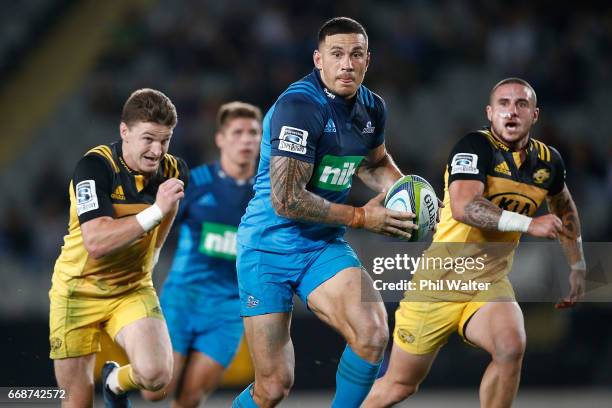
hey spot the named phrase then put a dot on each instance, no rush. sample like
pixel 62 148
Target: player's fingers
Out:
pixel 404 225
pixel 398 232
pixel 401 215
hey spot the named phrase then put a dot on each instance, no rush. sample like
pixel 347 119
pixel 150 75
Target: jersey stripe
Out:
pixel 105 152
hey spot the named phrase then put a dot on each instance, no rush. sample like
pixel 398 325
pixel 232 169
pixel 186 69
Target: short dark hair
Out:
pixel 237 109
pixel 149 105
pixel 514 80
pixel 341 25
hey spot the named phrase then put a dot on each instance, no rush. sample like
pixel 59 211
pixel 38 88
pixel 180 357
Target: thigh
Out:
pixel 494 323
pixel 201 375
pixel 270 345
pixel 338 302
pixel 132 307
pixel 146 343
pixel 265 280
pixel 406 368
pixel 75 375
pixel 422 327
pixel 75 325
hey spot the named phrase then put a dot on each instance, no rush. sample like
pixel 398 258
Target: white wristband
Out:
pixel 510 221
pixel 150 217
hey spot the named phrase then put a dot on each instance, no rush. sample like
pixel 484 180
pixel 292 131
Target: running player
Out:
pixel 123 199
pixel 495 179
pixel 321 130
pixel 200 297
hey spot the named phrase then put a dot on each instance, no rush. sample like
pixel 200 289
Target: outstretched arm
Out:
pixel 290 199
pixel 564 207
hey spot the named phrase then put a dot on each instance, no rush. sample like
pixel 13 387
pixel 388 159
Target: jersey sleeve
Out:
pixel 381 120
pixel 92 184
pixel 470 159
pixel 295 127
pixel 559 172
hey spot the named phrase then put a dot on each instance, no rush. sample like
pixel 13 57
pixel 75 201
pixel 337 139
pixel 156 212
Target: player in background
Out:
pixel 487 174
pixel 123 199
pixel 200 296
pixel 323 129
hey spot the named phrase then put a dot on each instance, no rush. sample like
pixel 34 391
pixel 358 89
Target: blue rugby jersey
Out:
pixel 309 123
pixel 205 260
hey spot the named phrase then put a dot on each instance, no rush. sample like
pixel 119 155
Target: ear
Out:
pixel 317 59
pixel 489 111
pixel 368 60
pixel 219 139
pixel 123 131
pixel 536 115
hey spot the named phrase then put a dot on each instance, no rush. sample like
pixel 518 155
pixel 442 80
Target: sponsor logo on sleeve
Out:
pixel 368 129
pixel 464 163
pixel 293 140
pixel 86 197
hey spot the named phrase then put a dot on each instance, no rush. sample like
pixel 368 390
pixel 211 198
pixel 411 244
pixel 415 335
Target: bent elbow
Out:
pixel 95 250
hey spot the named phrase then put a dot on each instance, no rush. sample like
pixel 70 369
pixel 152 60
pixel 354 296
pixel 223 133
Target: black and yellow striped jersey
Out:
pixel 511 183
pixel 103 185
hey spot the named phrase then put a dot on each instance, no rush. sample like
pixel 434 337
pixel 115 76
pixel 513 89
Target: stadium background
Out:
pixel 66 67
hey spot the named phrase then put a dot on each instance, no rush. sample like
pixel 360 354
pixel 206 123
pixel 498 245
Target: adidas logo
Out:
pixel 330 127
pixel 207 200
pixel 118 194
pixel 503 168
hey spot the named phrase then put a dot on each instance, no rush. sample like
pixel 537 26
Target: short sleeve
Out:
pixel 295 127
pixel 381 120
pixel 470 159
pixel 92 184
pixel 559 173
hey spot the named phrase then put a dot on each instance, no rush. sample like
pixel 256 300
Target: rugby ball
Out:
pixel 414 194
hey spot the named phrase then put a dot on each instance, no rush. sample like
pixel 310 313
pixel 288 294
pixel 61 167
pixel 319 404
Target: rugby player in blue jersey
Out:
pixel 200 296
pixel 321 130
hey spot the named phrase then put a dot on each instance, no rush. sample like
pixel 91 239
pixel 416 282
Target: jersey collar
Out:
pixel 332 97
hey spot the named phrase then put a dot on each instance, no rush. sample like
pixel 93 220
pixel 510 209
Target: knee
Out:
pixel 510 348
pixel 272 390
pixel 154 396
pixel 400 392
pixel 371 336
pixel 152 376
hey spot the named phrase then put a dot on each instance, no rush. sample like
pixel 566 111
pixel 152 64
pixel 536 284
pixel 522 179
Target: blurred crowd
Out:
pixel 205 53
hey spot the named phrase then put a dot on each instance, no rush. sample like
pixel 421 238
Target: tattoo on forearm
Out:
pixel 563 206
pixel 288 179
pixel 482 213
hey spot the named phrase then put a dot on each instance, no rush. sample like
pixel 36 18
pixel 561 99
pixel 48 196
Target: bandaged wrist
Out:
pixel 510 221
pixel 150 217
pixel 358 220
pixel 580 265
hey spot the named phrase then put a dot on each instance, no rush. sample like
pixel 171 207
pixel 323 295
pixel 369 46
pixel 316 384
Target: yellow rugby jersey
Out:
pixel 510 183
pixel 103 185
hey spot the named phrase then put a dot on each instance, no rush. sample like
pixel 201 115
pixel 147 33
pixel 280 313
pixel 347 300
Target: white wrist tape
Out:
pixel 510 221
pixel 150 217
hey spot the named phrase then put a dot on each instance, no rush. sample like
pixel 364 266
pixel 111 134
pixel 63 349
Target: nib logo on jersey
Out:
pixel 218 240
pixel 336 172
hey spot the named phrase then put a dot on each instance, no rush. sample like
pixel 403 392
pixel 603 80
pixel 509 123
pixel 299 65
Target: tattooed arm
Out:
pixel 563 206
pixel 290 199
pixel 470 207
pixel 378 171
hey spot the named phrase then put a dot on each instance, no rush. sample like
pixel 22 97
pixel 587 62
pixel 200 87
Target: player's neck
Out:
pixel 519 145
pixel 237 171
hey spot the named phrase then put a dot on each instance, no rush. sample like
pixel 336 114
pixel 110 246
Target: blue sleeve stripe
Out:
pixel 307 88
pixel 207 174
pixel 201 175
pixel 196 177
pixel 317 99
pixel 366 97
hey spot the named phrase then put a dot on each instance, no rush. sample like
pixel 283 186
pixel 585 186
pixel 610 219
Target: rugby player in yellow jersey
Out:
pixel 123 199
pixel 494 182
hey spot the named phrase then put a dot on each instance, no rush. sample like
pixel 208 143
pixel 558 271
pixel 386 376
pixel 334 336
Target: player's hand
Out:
pixel 440 206
pixel 546 226
pixel 387 222
pixel 169 194
pixel 577 283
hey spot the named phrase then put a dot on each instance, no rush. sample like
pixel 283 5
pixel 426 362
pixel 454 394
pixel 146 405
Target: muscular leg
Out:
pixel 201 377
pixel 271 350
pixel 405 373
pixel 147 345
pixel 498 328
pixel 75 375
pixel 338 302
pixel 177 374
